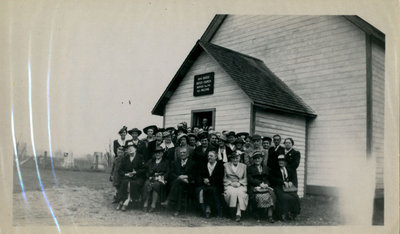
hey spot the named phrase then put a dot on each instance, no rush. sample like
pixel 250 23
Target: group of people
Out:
pixel 223 172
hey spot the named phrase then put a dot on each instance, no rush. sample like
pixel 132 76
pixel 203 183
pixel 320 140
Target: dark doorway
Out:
pixel 199 115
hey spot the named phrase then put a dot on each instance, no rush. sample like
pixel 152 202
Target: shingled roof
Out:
pixel 262 86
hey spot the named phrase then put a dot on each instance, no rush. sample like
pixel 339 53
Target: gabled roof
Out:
pixel 262 86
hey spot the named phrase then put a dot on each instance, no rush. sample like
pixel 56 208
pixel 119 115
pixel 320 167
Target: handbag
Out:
pixel 289 189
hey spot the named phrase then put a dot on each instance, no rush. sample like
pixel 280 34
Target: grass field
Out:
pixel 84 198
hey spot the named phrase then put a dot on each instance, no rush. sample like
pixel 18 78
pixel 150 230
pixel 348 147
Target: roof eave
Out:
pixel 285 110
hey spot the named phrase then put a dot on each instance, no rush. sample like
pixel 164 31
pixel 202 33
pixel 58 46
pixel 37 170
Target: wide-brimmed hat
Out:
pixel 234 154
pixel 256 137
pixel 166 134
pixel 154 127
pixel 203 135
pixel 240 134
pixel 192 135
pixel 181 129
pixel 231 133
pixel 135 130
pixel 179 137
pixel 124 128
pixel 239 140
pixel 158 149
pixel 171 129
pixel 267 139
pixel 222 137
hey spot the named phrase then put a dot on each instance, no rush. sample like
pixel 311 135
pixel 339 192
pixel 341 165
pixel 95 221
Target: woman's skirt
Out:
pixel 263 200
pixel 234 195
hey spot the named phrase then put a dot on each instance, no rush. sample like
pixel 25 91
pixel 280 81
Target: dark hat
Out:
pixel 256 154
pixel 203 135
pixel 135 130
pixel 192 135
pixel 267 139
pixel 234 154
pixel 256 137
pixel 281 157
pixel 239 140
pixel 222 137
pixel 154 127
pixel 158 149
pixel 181 129
pixel 124 128
pixel 171 129
pixel 180 137
pixel 240 134
pixel 166 134
pixel 231 133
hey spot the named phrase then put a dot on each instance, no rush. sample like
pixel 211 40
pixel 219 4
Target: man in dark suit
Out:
pixel 132 172
pixel 210 185
pixel 200 153
pixel 183 179
pixel 274 152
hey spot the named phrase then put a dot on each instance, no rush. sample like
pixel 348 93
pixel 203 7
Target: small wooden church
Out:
pixel 317 79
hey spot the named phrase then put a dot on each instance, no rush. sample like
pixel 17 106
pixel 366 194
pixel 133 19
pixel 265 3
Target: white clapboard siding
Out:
pixel 323 60
pixel 231 103
pixel 269 124
pixel 378 106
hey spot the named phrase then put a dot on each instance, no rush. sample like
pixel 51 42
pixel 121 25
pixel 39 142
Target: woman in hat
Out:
pixel 132 172
pixel 210 185
pixel 149 131
pixel 260 192
pixel 122 141
pixel 140 145
pixel 182 142
pixel 235 186
pixel 193 139
pixel 287 202
pixel 157 173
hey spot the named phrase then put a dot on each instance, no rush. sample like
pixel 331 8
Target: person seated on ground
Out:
pixel 114 177
pixel 132 172
pixel 287 200
pixel 223 152
pixel 235 186
pixel 200 154
pixel 260 193
pixel 210 185
pixel 182 177
pixel 157 173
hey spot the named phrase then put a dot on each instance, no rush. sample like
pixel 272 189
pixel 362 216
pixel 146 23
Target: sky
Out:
pixel 95 56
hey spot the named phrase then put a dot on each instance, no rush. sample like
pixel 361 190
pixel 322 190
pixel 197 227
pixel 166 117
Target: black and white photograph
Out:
pixel 130 114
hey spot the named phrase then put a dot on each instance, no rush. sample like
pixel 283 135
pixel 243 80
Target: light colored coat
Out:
pixel 233 195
